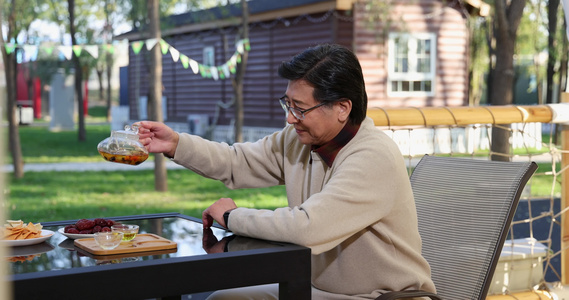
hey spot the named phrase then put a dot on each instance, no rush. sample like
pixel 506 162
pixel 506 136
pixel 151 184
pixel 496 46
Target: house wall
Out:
pixel 271 43
pixel 415 16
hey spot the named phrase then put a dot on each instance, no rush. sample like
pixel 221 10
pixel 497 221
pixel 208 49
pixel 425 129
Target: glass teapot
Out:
pixel 123 147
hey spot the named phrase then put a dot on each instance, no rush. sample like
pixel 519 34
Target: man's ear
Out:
pixel 344 107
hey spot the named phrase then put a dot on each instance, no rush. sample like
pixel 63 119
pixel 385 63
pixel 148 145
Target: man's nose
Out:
pixel 290 118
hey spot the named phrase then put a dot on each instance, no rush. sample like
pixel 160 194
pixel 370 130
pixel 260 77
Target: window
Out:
pixel 411 64
pixel 209 56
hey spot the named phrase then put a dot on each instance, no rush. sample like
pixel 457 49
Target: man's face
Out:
pixel 321 124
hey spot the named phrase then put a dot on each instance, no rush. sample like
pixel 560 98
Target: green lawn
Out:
pixel 50 196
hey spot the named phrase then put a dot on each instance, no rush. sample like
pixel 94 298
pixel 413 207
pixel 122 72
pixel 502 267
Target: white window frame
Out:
pixel 209 56
pixel 412 74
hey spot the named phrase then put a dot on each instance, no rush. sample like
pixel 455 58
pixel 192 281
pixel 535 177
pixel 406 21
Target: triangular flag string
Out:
pixel 222 71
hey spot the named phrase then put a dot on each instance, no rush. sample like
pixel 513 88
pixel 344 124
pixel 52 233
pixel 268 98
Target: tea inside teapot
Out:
pixel 123 147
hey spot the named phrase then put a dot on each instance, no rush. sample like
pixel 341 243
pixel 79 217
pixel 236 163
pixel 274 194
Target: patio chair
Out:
pixel 465 207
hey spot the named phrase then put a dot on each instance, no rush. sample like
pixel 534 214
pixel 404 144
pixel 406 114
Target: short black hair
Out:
pixel 335 73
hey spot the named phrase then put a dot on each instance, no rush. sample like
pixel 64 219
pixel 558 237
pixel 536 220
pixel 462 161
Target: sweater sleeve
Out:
pixel 242 165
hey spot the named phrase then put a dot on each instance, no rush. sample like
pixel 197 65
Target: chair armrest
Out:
pixel 408 294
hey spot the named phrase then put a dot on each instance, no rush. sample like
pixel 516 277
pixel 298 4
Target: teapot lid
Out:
pixel 129 132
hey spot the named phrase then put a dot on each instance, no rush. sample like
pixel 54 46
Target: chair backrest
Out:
pixel 465 207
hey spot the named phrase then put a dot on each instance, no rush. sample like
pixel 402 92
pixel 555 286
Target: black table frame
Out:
pixel 170 278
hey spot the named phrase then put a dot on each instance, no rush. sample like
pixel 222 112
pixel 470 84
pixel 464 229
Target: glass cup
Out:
pixel 129 231
pixel 108 239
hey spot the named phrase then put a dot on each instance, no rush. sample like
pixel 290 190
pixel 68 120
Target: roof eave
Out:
pixel 234 21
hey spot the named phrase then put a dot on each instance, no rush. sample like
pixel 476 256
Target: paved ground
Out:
pixel 88 166
pixel 107 166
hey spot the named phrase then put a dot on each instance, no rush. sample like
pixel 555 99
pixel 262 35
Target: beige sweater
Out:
pixel 358 217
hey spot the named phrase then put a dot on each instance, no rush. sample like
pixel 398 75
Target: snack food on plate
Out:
pixel 86 226
pixel 17 230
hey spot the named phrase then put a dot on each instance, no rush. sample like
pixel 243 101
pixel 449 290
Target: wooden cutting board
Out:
pixel 141 243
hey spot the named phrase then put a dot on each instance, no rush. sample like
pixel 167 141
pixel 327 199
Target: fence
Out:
pixel 538 232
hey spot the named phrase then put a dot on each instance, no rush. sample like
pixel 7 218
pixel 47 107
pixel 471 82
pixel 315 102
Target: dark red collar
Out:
pixel 329 150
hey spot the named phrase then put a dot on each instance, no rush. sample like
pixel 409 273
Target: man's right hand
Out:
pixel 158 137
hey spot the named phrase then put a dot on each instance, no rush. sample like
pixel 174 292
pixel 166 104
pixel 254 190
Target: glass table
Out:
pixel 59 269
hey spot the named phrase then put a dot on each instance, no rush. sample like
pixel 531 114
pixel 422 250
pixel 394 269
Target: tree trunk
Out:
pixel 507 20
pixel 100 80
pixel 552 8
pixel 10 71
pixel 562 80
pixel 82 135
pixel 109 88
pixel 237 81
pixel 155 97
pixel 109 61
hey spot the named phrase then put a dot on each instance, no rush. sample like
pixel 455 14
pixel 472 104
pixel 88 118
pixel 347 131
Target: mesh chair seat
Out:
pixel 465 207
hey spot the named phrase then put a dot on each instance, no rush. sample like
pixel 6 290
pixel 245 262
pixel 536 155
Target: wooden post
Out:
pixel 564 197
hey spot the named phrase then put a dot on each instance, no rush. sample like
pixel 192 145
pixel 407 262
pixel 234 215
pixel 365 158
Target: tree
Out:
pixel 155 95
pixel 109 58
pixel 477 68
pixel 507 17
pixel 237 81
pixel 82 134
pixel 19 15
pixel 552 49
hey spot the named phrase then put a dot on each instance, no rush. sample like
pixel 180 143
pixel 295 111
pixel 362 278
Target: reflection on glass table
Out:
pixel 60 252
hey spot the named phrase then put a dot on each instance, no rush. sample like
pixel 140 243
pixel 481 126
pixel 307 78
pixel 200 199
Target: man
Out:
pixel 349 195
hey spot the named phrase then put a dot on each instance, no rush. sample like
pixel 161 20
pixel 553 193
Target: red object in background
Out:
pixel 22 84
pixel 37 98
pixel 86 100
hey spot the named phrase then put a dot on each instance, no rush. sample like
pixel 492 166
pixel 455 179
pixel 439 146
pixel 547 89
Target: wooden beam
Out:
pixel 459 116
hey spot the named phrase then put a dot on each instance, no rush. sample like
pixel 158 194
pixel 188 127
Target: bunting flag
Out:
pixel 77 50
pixel 48 50
pixel 110 48
pixel 175 54
pixel 93 50
pixel 137 46
pixel 164 47
pixel 31 52
pixel 195 66
pixel 150 43
pixel 223 71
pixel 185 61
pixel 66 51
pixel 10 48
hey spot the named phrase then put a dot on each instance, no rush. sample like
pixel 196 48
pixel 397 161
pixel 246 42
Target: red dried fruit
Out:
pixel 68 227
pixel 104 229
pixel 84 224
pixel 101 222
pixel 111 222
pixel 86 231
pixel 97 228
pixel 72 230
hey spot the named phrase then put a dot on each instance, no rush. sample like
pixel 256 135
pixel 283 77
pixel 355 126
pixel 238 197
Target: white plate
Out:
pixel 45 234
pixel 74 235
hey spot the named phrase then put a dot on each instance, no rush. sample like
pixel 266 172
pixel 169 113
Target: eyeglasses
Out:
pixel 297 112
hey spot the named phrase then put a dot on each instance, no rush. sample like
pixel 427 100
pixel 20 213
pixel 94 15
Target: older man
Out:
pixel 349 196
